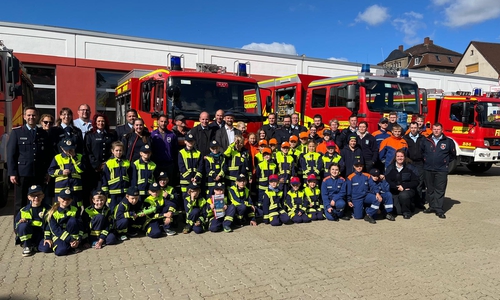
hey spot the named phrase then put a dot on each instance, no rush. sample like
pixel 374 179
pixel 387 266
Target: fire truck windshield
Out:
pixel 387 96
pixel 210 95
pixel 489 114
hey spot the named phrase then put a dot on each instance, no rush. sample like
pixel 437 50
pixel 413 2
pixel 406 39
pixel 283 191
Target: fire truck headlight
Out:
pixel 486 143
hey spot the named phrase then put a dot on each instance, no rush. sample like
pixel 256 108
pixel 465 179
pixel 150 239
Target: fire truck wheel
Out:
pixel 479 167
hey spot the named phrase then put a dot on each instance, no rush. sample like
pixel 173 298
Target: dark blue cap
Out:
pixel 145 148
pixel 214 143
pixel 220 186
pixel 154 187
pixel 67 145
pixel 66 194
pixel 133 191
pixel 98 192
pixel 34 189
pixel 194 186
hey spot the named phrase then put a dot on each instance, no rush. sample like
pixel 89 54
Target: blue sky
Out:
pixel 356 31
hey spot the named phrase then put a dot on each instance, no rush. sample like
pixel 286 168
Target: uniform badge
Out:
pixel 155 184
pixel 146 146
pixel 169 139
pixel 33 187
pixel 443 146
pixel 367 142
pixel 40 214
pixel 68 143
pixel 67 192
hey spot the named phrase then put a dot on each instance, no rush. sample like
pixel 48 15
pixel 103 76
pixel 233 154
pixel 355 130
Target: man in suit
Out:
pixel 122 130
pixel 204 134
pixel 29 157
pixel 218 123
pixel 271 127
pixel 225 135
pixel 283 134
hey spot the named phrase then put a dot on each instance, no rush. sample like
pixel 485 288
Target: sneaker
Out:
pixel 370 220
pixel 227 229
pixel 132 233
pixel 390 217
pixel 170 232
pixel 27 251
pixel 186 230
pixel 345 218
pixel 123 238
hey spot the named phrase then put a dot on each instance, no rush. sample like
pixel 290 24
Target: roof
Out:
pixel 424 48
pixel 490 53
pixel 396 54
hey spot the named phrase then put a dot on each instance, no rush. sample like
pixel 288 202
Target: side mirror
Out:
pixel 479 109
pixel 351 105
pixel 351 92
pixel 424 98
pixel 269 104
pixel 425 109
pixel 465 113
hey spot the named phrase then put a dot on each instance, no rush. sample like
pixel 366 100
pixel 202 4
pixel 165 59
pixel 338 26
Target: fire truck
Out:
pixel 16 92
pixel 176 91
pixel 368 95
pixel 472 121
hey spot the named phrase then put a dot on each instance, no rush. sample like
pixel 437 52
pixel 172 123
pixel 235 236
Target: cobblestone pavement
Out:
pixel 421 258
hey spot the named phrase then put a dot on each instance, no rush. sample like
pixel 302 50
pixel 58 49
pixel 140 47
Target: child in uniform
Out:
pixel 97 221
pixel 190 165
pixel 286 166
pixel 170 203
pixel 380 193
pixel 30 223
pixel 313 199
pixel 195 207
pixel 216 224
pixel 311 162
pixel 115 176
pixel 143 171
pixel 333 192
pixel 127 214
pixel 153 212
pixel 263 170
pixel 239 195
pixel 214 167
pixel 294 201
pixel 272 202
pixel 63 225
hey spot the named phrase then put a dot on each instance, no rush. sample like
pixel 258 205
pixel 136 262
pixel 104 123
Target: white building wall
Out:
pixel 472 56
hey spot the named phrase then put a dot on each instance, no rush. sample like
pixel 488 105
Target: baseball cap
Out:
pixel 273 177
pixel 285 145
pixel 145 148
pixel 133 191
pixel 294 138
pixel 295 180
pixel 303 135
pixel 189 138
pixel 98 192
pixel 375 172
pixel 311 177
pixel 66 194
pixel 194 186
pixel 330 144
pixel 34 189
pixel 327 132
pixel 162 175
pixel 266 150
pixel 262 143
pixel 383 120
pixel 179 118
pixel 154 187
pixel 357 161
pixel 273 141
pixel 220 185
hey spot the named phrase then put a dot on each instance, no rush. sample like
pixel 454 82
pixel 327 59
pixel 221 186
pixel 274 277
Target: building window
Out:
pixel 472 68
pixel 450 59
pixel 106 82
pixel 471 52
pixel 437 58
pixel 44 80
pixel 417 61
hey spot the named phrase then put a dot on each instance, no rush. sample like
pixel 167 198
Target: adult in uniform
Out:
pixel 165 150
pixel 29 157
pixel 271 127
pixel 97 150
pixel 65 130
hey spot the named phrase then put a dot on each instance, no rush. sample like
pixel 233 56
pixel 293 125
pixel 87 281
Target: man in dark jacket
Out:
pixel 438 151
pixel 414 139
pixel 368 146
pixel 203 134
pixel 122 130
pixel 271 127
pixel 283 134
pixel 165 150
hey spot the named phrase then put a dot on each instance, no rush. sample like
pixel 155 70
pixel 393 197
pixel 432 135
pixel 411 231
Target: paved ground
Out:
pixel 421 258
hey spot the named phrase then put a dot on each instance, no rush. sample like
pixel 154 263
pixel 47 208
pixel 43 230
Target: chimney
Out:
pixel 428 41
pixel 400 48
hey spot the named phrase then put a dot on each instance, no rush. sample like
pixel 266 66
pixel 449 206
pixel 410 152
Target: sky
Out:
pixel 356 31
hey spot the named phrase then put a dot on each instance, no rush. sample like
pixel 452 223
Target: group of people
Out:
pixel 80 185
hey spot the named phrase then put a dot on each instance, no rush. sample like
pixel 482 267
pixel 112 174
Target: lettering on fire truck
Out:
pixel 497 132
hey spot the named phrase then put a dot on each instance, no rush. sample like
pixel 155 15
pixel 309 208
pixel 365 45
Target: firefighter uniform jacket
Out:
pixel 35 217
pixel 358 186
pixel 313 196
pixel 125 210
pixel 98 147
pixel 171 196
pixel 89 217
pixel 214 166
pixel 115 176
pixel 328 160
pixel 63 132
pixel 438 156
pixel 239 197
pixel 74 179
pixel 388 149
pixel 191 204
pixel 263 171
pixel 381 135
pixel 272 204
pixel 142 175
pixel 333 189
pixel 286 166
pixel 311 163
pixel 28 153
pixel 295 202
pixel 190 164
pixel 57 224
pixel 237 162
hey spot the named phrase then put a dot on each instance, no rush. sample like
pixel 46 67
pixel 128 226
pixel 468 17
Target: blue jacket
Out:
pixel 438 157
pixel 358 186
pixel 378 186
pixel 27 156
pixel 165 149
pixel 333 189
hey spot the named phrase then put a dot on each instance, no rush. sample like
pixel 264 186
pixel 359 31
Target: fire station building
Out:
pixel 70 67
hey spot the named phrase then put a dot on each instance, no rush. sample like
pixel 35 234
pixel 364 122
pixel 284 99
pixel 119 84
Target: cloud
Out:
pixel 465 12
pixel 273 47
pixel 373 15
pixel 409 24
pixel 338 58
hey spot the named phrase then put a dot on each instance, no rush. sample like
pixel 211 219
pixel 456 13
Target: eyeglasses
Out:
pixel 48 122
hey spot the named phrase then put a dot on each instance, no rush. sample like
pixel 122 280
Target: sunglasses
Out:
pixel 48 122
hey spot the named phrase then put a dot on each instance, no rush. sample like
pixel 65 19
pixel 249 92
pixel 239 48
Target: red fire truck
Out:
pixel 472 120
pixel 370 96
pixel 16 92
pixel 175 91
